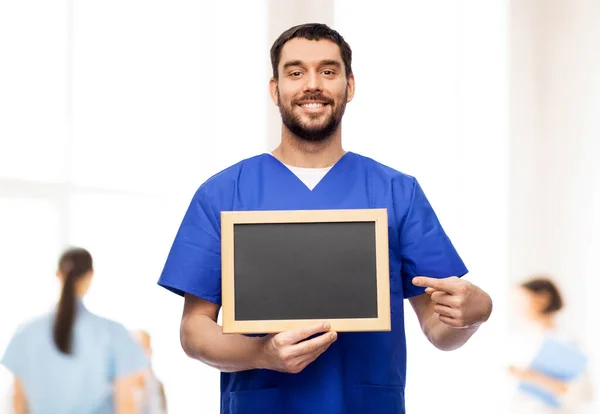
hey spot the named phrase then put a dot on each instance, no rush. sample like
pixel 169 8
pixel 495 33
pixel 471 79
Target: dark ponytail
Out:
pixel 73 264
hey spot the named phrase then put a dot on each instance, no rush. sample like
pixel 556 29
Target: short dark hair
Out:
pixel 311 31
pixel 543 285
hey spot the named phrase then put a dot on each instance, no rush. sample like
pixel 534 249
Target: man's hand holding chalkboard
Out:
pixel 457 302
pixel 292 351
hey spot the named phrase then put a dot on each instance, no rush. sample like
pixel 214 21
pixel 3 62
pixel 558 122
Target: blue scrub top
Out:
pixel 362 372
pixel 80 383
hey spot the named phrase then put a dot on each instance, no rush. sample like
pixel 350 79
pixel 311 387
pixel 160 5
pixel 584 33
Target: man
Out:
pixel 313 370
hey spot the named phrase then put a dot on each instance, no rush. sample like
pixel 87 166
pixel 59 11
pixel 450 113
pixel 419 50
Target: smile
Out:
pixel 313 106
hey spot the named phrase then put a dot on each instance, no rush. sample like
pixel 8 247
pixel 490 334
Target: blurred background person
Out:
pixel 72 361
pixel 548 365
pixel 150 392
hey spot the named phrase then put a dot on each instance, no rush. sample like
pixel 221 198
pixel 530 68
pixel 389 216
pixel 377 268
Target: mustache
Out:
pixel 317 97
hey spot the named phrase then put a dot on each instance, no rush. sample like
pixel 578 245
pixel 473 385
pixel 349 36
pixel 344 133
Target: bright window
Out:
pixel 33 89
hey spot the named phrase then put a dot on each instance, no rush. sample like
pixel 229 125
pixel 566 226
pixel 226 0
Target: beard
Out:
pixel 306 131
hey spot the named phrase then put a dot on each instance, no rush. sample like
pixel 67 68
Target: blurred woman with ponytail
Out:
pixel 72 361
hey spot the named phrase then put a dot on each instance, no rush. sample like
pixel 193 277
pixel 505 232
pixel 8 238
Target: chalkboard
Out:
pixel 284 269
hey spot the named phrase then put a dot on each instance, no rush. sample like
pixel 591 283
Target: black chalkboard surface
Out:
pixel 284 269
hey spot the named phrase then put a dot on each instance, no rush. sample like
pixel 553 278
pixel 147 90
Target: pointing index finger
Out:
pixel 444 285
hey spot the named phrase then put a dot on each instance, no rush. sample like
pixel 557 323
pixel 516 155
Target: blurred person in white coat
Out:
pixel 150 392
pixel 539 304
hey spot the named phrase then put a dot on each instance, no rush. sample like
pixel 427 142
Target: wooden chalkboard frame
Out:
pixel 230 218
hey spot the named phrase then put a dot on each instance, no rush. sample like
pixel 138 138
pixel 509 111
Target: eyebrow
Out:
pixel 326 62
pixel 331 62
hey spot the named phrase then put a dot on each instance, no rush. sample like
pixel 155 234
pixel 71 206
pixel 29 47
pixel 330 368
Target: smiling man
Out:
pixel 314 370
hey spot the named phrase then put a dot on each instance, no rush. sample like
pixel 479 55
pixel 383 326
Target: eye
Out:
pixel 295 74
pixel 328 72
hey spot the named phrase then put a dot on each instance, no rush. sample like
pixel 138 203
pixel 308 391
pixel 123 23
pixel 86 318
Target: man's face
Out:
pixel 312 90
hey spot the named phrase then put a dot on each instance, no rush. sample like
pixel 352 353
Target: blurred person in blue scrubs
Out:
pixel 313 369
pixel 72 361
pixel 149 392
pixel 538 306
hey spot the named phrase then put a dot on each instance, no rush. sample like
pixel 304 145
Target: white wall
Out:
pixel 591 231
pixel 568 70
pixel 555 131
pixel 526 222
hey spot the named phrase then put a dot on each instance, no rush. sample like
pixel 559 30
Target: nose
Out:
pixel 313 82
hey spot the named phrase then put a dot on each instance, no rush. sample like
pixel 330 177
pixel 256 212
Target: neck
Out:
pixel 81 288
pixel 297 152
pixel 546 321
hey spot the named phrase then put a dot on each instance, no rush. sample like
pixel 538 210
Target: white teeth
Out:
pixel 312 105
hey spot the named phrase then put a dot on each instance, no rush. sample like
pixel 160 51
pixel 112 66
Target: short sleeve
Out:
pixel 425 249
pixel 15 356
pixel 194 261
pixel 128 357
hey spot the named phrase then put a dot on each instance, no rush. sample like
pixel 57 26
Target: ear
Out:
pixel 546 299
pixel 350 87
pixel 273 91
